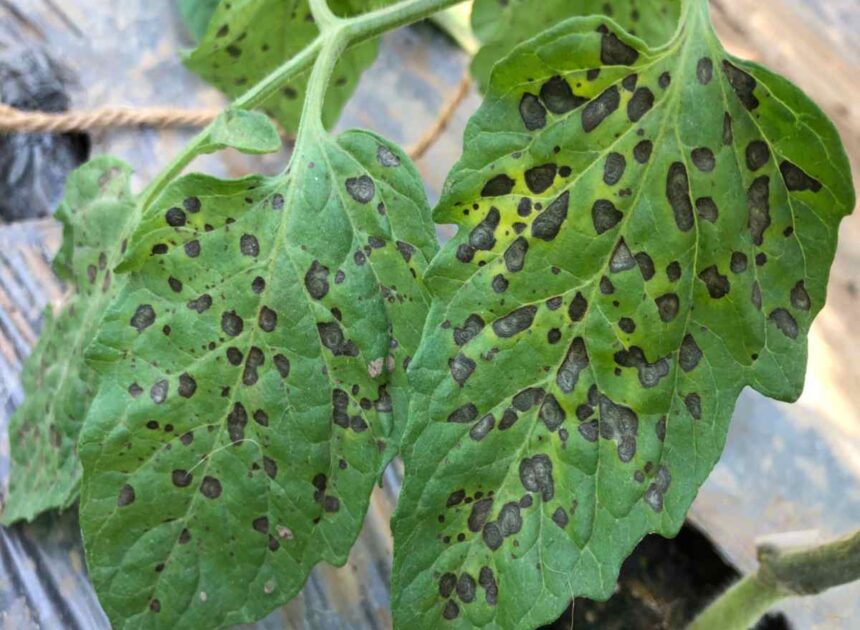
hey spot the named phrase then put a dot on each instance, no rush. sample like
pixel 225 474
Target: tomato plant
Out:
pixel 646 226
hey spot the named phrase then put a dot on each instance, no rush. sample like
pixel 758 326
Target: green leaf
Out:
pixel 643 233
pixel 196 14
pixel 502 24
pixel 96 214
pixel 248 39
pixel 248 132
pixel 249 371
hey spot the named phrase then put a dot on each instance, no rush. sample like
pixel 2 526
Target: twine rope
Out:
pixel 17 120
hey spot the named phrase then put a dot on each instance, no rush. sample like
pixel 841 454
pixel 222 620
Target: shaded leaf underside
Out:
pixel 97 211
pixel 249 371
pixel 247 39
pixel 502 24
pixel 643 233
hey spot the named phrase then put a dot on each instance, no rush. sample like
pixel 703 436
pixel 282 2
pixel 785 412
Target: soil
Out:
pixel 662 586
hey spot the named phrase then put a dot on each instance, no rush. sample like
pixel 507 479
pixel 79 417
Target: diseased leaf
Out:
pixel 502 24
pixel 248 39
pixel 249 372
pixel 643 233
pixel 248 132
pixel 96 214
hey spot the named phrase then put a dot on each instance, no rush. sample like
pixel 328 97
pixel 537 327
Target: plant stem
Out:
pixel 740 607
pixel 311 123
pixel 784 571
pixel 324 18
pixel 351 31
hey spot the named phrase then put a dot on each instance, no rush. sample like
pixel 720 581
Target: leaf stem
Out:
pixel 311 123
pixel 351 31
pixel 323 16
pixel 785 570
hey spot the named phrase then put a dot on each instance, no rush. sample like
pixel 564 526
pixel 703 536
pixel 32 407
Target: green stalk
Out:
pixel 784 571
pixel 347 31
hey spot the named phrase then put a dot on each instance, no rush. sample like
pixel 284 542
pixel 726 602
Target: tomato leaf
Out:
pixel 249 369
pixel 502 24
pixel 643 233
pixel 196 14
pixel 96 213
pixel 247 39
pixel 248 132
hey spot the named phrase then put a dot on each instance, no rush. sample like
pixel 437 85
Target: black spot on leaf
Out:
pixel 758 203
pixel 642 151
pixel 743 84
pixel 464 415
pixel 800 298
pixel 361 189
pixel 707 209
pixel 540 178
pixel 654 494
pixel 158 392
pixel 480 430
pixel 316 280
pixel 704 70
pixel 471 328
pixel 498 186
pixel 236 421
pixel 717 284
pixel 231 323
pixel 125 496
pixel 560 518
pixel 619 423
pixel 483 236
pixel 181 478
pixel 558 97
pixel 461 368
pixel 600 108
pixel 758 154
pixel 532 112
pixel 210 487
pixel 175 217
pixel 667 306
pixel 614 52
pixel 690 354
pixel 551 413
pixel 200 304
pixel 693 402
pixel 578 307
pixel 646 265
pixel 605 215
pixel 640 104
pixel 187 385
pixel 268 319
pixel 785 322
pixel 249 246
pixel 613 168
pixel 536 476
pixel 704 159
pixel 528 398
pixel 386 156
pixel 515 322
pixel 479 514
pixel 678 194
pixel 547 225
pixel 466 588
pixel 331 336
pixel 143 317
pixel 796 180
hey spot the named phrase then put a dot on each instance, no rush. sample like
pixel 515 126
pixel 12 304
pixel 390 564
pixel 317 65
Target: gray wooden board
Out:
pixel 785 467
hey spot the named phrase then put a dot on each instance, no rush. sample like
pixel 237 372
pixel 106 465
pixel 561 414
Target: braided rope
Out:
pixel 12 119
pixel 17 120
